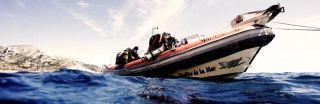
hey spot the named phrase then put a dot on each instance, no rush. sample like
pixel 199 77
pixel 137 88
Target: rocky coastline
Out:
pixel 17 58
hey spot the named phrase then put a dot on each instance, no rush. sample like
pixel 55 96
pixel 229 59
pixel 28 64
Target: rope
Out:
pixel 296 29
pixel 296 25
pixel 308 28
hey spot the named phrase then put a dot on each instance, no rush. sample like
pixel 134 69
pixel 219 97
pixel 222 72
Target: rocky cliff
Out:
pixel 27 58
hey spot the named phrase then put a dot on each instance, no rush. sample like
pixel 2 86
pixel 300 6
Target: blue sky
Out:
pixel 93 31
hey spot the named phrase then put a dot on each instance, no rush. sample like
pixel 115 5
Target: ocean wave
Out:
pixel 74 86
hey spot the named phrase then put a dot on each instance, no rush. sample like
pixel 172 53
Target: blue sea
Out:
pixel 78 87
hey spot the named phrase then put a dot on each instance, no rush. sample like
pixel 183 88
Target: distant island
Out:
pixel 17 58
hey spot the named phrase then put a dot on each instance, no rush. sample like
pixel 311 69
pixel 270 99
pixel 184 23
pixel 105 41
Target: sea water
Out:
pixel 73 86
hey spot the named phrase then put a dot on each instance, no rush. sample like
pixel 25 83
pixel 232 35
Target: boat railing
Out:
pixel 192 38
pixel 257 17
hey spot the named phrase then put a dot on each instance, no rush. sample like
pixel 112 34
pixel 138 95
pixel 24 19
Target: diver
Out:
pixel 159 40
pixel 127 56
pixel 122 58
pixel 155 42
pixel 170 42
pixel 159 43
pixel 133 54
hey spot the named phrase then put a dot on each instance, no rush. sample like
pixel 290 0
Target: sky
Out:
pixel 93 31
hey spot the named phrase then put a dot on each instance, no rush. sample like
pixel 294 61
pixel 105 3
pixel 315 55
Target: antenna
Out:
pixel 154 29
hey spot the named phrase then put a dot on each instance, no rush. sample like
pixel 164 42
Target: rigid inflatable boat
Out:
pixel 224 55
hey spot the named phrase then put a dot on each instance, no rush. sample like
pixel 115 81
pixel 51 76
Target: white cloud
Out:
pixel 210 3
pixel 90 23
pixel 159 13
pixel 117 17
pixel 146 14
pixel 286 53
pixel 83 4
pixel 118 20
pixel 86 21
pixel 21 4
pixel 7 15
pixel 312 19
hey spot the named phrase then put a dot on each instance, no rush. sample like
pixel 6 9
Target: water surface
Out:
pixel 73 86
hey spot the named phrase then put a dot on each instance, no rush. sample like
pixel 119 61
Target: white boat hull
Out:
pixel 230 66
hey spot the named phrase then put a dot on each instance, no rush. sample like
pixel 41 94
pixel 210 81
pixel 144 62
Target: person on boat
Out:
pixel 118 58
pixel 170 41
pixel 159 43
pixel 155 42
pixel 133 54
pixel 122 58
pixel 165 39
pixel 127 56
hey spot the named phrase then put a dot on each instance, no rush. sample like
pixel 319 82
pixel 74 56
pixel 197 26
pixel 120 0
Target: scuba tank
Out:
pixel 156 52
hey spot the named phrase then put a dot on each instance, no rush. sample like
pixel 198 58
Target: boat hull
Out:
pixel 224 58
pixel 232 64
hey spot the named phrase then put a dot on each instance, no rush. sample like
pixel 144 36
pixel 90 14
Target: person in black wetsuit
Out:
pixel 122 58
pixel 133 54
pixel 127 56
pixel 170 42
